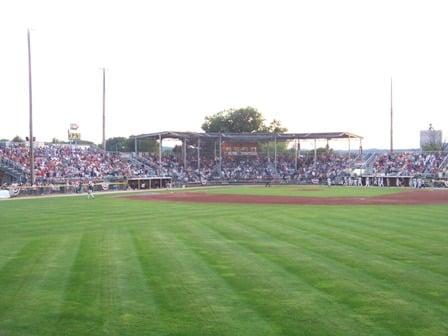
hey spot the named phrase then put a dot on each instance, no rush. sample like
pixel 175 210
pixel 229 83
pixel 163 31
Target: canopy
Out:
pixel 249 136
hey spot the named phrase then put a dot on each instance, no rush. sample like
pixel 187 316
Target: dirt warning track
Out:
pixel 409 197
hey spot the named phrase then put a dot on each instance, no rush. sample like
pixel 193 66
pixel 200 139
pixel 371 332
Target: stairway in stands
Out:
pixel 141 161
pixel 444 163
pixel 11 171
pixel 369 162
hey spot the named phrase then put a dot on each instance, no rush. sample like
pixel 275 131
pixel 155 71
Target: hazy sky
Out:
pixel 314 65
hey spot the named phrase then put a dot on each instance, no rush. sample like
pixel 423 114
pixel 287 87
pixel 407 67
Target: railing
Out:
pixel 444 162
pixel 143 161
pixel 11 168
pixel 369 160
pixel 60 189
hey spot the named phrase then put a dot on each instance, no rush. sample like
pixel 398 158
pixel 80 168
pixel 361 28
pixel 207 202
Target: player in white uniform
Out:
pixel 90 191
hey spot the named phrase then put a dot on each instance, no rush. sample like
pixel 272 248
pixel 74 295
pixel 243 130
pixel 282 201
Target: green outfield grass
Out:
pixel 113 266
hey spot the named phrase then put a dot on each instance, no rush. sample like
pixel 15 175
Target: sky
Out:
pixel 316 65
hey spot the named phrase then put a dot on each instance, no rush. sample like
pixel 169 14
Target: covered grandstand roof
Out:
pixel 250 136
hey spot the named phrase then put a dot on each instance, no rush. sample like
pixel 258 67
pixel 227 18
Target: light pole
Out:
pixel 30 90
pixel 104 108
pixel 391 120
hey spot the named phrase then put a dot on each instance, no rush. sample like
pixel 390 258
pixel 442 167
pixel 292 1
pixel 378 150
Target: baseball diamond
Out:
pixel 227 261
pixel 223 168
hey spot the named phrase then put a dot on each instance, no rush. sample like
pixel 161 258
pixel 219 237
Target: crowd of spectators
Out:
pixel 252 168
pixel 62 163
pixel 408 163
pixel 65 164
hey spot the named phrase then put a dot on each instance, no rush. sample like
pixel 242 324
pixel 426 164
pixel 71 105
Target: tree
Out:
pixel 17 139
pixel 275 127
pixel 217 122
pixel 243 120
pixel 247 120
pixel 122 144
pixel 117 144
pixel 144 145
pixel 282 147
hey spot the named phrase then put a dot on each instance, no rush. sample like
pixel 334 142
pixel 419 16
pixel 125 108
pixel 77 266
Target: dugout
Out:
pixel 142 183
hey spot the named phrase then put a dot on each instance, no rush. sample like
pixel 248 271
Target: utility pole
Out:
pixel 30 90
pixel 391 120
pixel 104 108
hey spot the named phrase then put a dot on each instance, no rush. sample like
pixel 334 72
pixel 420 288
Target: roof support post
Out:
pixel 296 159
pixel 184 153
pixel 160 153
pixel 267 150
pixel 199 154
pixel 135 146
pixel 220 156
pixel 275 153
pixel 349 149
pixel 315 152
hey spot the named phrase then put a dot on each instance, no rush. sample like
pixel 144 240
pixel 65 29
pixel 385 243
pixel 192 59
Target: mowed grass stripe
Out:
pixel 15 275
pixel 354 255
pixel 184 284
pixel 9 248
pixel 387 219
pixel 358 234
pixel 312 270
pixel 389 246
pixel 137 310
pixel 295 307
pixel 238 269
pixel 364 222
pixel 368 283
pixel 32 287
pixel 406 277
pixel 428 253
pixel 82 303
pixel 94 293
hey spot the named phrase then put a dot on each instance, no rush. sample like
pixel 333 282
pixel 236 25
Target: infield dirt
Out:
pixel 413 197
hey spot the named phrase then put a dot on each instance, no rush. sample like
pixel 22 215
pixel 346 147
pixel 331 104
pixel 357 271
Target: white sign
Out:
pixel 74 126
pixel 4 194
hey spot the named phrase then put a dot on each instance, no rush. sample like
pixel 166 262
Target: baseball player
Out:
pixel 90 191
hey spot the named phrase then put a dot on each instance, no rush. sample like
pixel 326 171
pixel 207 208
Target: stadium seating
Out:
pixel 66 163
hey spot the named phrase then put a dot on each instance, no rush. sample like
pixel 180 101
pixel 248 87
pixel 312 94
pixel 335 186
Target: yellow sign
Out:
pixel 74 136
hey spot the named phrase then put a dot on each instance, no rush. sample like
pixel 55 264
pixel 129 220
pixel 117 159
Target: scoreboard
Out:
pixel 240 149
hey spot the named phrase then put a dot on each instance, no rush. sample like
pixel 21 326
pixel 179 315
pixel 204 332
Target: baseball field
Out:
pixel 227 261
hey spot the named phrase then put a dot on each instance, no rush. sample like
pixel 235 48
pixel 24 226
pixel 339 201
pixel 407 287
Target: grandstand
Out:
pixel 205 158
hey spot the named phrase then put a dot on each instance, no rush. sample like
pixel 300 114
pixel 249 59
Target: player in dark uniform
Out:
pixel 268 178
pixel 90 190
